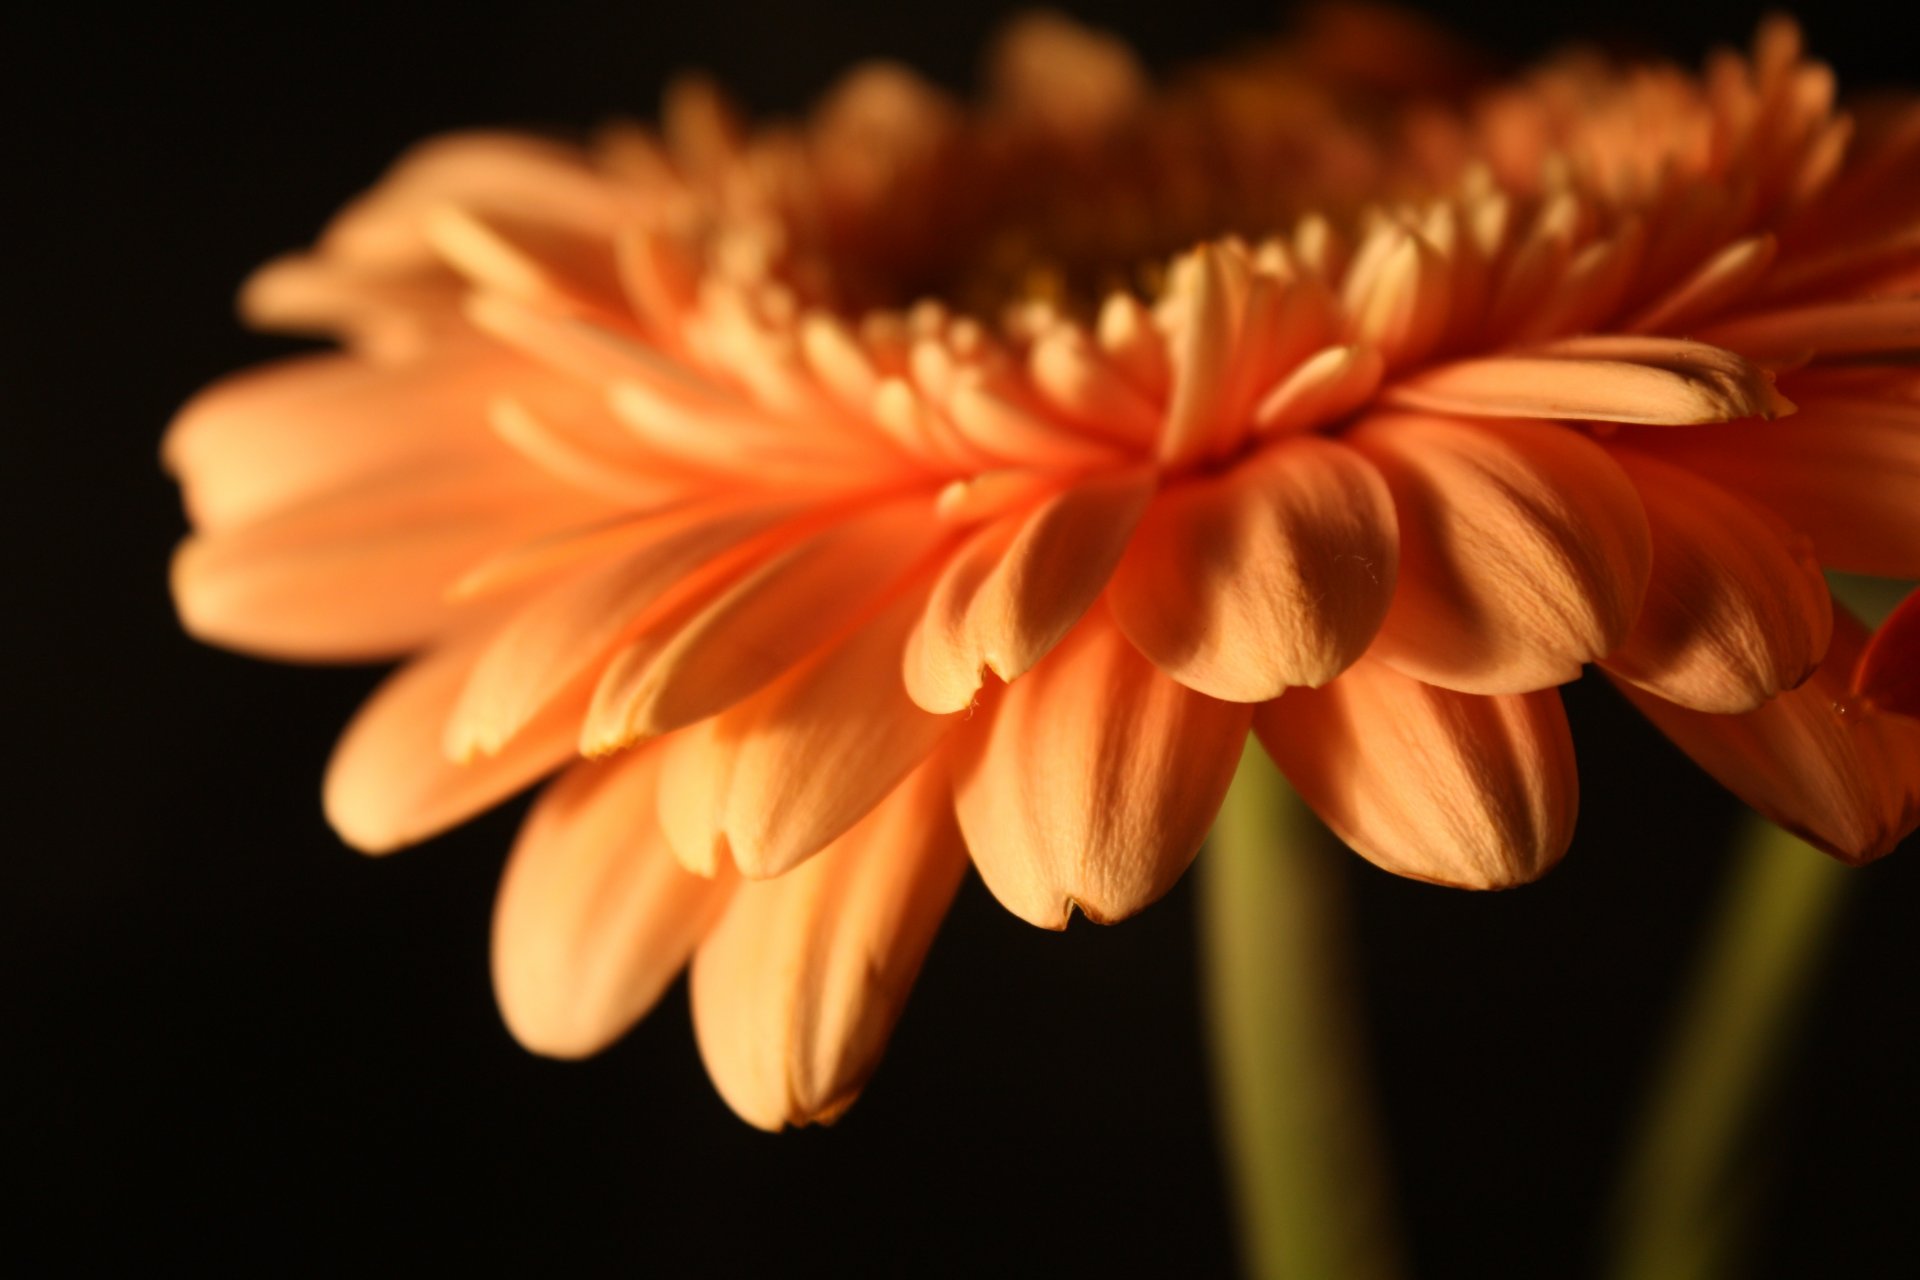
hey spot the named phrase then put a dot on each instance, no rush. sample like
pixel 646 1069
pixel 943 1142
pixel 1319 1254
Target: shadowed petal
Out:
pixel 1817 760
pixel 816 751
pixel 797 988
pixel 1275 574
pixel 594 917
pixel 1846 474
pixel 1737 608
pixel 1009 595
pixel 1454 788
pixel 1524 551
pixel 1093 781
pixel 1888 671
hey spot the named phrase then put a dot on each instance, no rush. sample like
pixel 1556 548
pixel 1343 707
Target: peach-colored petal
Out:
pixel 1325 387
pixel 389 784
pixel 1722 280
pixel 759 626
pixel 276 436
pixel 580 445
pixel 1524 551
pixel 594 917
pixel 1210 288
pixel 1093 781
pixel 1068 370
pixel 391 319
pixel 1817 760
pixel 1609 379
pixel 536 262
pixel 557 637
pixel 1008 597
pixel 1737 608
pixel 816 751
pixel 364 572
pixel 1455 788
pixel 1845 473
pixel 1399 306
pixel 1879 326
pixel 1275 574
pixel 696 772
pixel 797 988
pixel 1888 670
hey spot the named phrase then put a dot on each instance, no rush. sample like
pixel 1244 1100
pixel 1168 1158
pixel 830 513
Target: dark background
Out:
pixel 230 1039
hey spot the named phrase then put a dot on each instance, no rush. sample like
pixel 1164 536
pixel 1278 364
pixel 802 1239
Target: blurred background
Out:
pixel 231 1040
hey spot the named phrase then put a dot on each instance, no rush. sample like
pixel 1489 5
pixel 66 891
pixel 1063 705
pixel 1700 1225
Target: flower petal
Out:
pixel 1277 573
pixel 757 628
pixel 1737 608
pixel 797 988
pixel 594 917
pixel 1008 597
pixel 1817 760
pixel 364 572
pixel 1888 670
pixel 278 436
pixel 696 770
pixel 1845 473
pixel 1524 551
pixel 1093 781
pixel 1875 326
pixel 1608 379
pixel 819 749
pixel 1454 788
pixel 560 635
pixel 389 784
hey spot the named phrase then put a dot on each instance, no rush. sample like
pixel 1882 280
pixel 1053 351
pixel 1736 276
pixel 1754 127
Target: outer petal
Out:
pixel 1845 473
pixel 1816 760
pixel 1737 609
pixel 1008 597
pixel 274 437
pixel 363 572
pixel 819 749
pixel 1094 781
pixel 594 916
pixel 388 783
pixel 1454 788
pixel 1275 574
pixel 1888 670
pixel 797 988
pixel 1524 551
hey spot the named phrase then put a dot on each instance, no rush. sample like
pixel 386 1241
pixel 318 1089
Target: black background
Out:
pixel 231 1040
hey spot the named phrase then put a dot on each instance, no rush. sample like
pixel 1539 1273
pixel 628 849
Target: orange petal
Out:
pixel 758 627
pixel 389 784
pixel 696 771
pixel 363 572
pixel 1737 608
pixel 555 639
pixel 1211 287
pixel 819 749
pixel 1277 573
pixel 1720 281
pixel 1817 760
pixel 1454 788
pixel 797 988
pixel 1524 551
pixel 1094 781
pixel 1007 598
pixel 274 437
pixel 594 917
pixel 1877 326
pixel 1846 474
pixel 1607 379
pixel 1888 671
pixel 535 262
pixel 1327 386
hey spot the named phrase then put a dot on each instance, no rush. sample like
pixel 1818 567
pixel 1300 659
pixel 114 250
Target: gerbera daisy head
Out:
pixel 825 502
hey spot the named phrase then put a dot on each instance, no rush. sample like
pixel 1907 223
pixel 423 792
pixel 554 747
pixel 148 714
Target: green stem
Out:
pixel 1299 1137
pixel 1684 1195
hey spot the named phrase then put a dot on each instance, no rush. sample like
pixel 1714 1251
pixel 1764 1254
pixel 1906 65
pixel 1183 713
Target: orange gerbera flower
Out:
pixel 829 502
